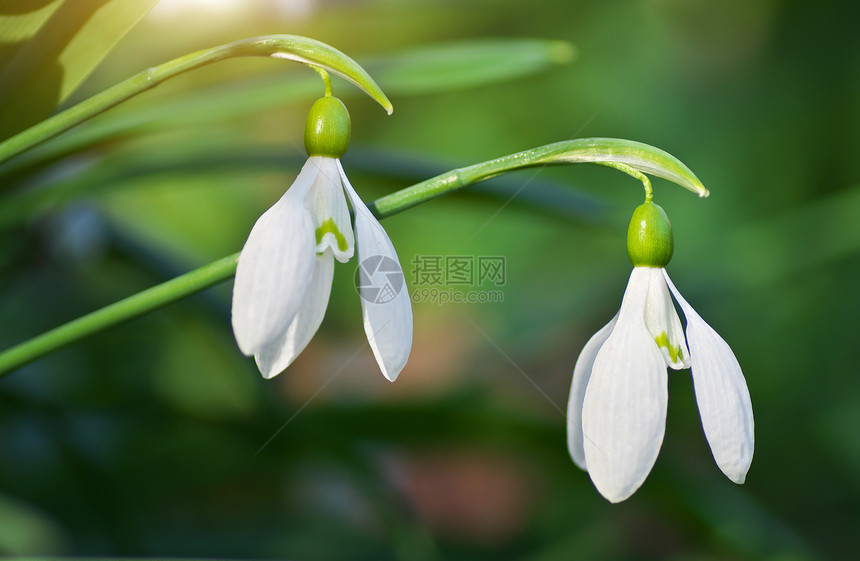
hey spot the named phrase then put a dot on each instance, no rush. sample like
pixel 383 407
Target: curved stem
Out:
pixel 291 47
pixel 630 157
pixel 325 78
pixel 646 183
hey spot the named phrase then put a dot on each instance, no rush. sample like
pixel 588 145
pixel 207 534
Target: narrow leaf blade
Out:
pixel 52 57
pixel 465 64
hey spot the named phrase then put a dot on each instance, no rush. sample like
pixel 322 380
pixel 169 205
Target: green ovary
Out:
pixel 329 227
pixel 674 350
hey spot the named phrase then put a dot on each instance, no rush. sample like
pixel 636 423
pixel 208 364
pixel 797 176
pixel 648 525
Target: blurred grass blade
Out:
pixel 124 310
pixel 49 48
pixel 467 64
pixel 20 20
pixel 290 47
pixel 814 235
pixel 464 64
pixel 26 530
pixel 184 161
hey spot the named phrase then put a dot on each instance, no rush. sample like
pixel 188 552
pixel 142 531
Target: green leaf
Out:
pixel 629 156
pixel 616 152
pixel 19 20
pixel 52 48
pixel 451 66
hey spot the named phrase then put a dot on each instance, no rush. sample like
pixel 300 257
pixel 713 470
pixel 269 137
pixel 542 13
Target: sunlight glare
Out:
pixel 169 8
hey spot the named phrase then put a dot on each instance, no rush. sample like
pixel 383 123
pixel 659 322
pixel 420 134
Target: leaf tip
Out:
pixel 698 187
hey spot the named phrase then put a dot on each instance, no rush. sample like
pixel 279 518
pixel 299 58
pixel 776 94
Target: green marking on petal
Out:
pixel 674 350
pixel 329 227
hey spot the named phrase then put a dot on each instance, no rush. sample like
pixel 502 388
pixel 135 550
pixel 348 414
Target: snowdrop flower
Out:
pixel 616 415
pixel 284 276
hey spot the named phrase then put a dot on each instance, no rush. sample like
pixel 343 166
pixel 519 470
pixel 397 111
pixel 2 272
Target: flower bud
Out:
pixel 649 238
pixel 327 130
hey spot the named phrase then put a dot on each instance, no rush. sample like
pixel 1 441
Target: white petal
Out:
pixel 624 410
pixel 274 268
pixel 385 302
pixel 327 205
pixel 273 358
pixel 663 322
pixel 722 394
pixel 581 375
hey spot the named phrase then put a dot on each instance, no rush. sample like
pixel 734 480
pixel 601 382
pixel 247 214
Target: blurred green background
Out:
pixel 157 438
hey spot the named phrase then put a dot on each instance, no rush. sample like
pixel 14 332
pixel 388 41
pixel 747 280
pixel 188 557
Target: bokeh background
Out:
pixel 157 438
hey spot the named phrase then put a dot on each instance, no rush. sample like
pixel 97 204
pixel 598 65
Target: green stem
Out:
pixel 630 157
pixel 325 78
pixel 291 47
pixel 646 183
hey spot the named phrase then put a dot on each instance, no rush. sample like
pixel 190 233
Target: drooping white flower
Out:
pixel 616 414
pixel 284 274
